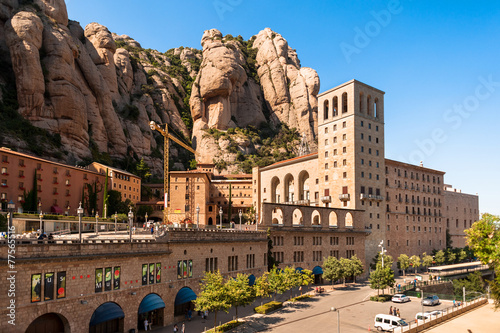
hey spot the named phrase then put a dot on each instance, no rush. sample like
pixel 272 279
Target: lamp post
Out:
pixel 10 206
pixel 256 221
pixel 41 225
pixel 146 217
pixel 130 217
pixel 240 214
pixel 116 217
pixel 382 251
pixel 39 207
pixel 79 211
pixel 422 302
pixel 338 317
pixel 220 213
pixel 96 224
pixel 197 216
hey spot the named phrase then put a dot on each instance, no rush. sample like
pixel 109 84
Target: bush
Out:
pixel 381 298
pixel 299 298
pixel 268 307
pixel 226 327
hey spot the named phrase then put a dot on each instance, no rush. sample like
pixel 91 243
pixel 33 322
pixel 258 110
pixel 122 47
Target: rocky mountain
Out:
pixel 74 95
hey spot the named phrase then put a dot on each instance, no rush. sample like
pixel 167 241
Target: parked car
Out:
pixel 431 300
pixel 400 298
pixel 385 322
pixel 427 315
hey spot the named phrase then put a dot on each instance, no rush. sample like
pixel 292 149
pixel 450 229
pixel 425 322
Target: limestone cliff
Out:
pixel 77 94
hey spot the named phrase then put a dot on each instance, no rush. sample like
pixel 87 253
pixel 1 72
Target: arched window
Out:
pixel 332 220
pixel 344 102
pixel 375 104
pixel 348 220
pixel 360 102
pixel 335 106
pixel 368 105
pixel 325 110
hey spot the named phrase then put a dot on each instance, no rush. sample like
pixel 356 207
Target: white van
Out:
pixel 385 322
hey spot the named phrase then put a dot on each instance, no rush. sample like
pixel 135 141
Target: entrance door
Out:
pixel 48 323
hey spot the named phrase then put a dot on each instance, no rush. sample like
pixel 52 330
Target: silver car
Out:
pixel 431 300
pixel 400 298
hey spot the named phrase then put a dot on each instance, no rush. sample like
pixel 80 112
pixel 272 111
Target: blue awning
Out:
pixel 151 302
pixel 105 312
pixel 251 280
pixel 185 295
pixel 299 269
pixel 317 270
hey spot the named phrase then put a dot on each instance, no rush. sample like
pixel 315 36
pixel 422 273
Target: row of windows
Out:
pixel 415 176
pixel 317 256
pixel 232 263
pixel 397 183
pixel 377 152
pixel 316 240
pixel 277 240
pixel 420 242
pixel 21 174
pixel 371 106
pixel 250 261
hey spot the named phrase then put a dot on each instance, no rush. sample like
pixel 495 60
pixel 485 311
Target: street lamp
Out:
pixel 146 217
pixel 240 214
pixel 220 213
pixel 256 220
pixel 96 224
pixel 422 302
pixel 39 206
pixel 10 206
pixel 130 217
pixel 79 211
pixel 41 225
pixel 338 317
pixel 197 216
pixel 116 216
pixel 382 251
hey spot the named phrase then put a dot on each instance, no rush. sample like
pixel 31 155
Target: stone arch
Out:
pixel 108 317
pixel 303 189
pixel 368 105
pixel 375 108
pixel 315 218
pixel 275 190
pixel 277 216
pixel 332 220
pixel 335 106
pixel 297 217
pixel 183 301
pixel 210 221
pixel 152 307
pixel 49 322
pixel 348 220
pixel 325 109
pixel 344 103
pixel 289 188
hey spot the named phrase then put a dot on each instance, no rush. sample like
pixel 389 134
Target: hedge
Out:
pixel 268 307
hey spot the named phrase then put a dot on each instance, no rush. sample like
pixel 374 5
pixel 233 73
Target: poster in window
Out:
pixel 116 278
pixel 190 268
pixel 61 285
pixel 184 269
pixel 36 288
pixel 98 280
pixel 151 273
pixel 158 272
pixel 107 278
pixel 144 274
pixel 48 292
pixel 179 269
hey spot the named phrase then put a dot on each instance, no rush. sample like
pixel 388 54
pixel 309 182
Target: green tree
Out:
pixel 271 262
pixel 473 284
pixel 261 286
pixel 290 279
pixel 404 263
pixel 275 280
pixel 142 210
pixel 451 257
pixel 462 254
pixel 346 268
pixel 356 267
pixel 31 198
pixel 332 269
pixel 449 241
pixel 240 293
pixel 426 260
pixel 105 196
pixel 91 196
pixel 305 278
pixel 440 258
pixel 143 170
pixel 415 262
pixel 381 277
pixel 3 223
pixel 213 295
pixel 483 238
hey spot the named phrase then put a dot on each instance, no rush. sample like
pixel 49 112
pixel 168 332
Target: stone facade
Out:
pixel 80 261
pixel 59 186
pixel 460 210
pixel 119 180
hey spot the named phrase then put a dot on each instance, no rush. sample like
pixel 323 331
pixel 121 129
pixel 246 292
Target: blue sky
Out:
pixel 438 63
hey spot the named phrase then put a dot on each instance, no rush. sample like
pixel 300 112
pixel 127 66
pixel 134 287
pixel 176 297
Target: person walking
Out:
pixel 146 324
pixel 394 311
pixel 398 313
pixel 390 311
pixel 176 329
pixel 183 328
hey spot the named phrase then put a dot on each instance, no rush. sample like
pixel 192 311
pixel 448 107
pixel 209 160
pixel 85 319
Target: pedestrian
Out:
pixel 146 324
pixel 183 329
pixel 399 287
pixel 176 329
pixel 394 312
pixel 390 311
pixel 206 314
pixel 454 303
pixel 398 313
pixel 150 323
pixel 152 230
pixel 190 313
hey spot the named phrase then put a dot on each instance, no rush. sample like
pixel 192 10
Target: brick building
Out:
pixel 109 286
pixel 460 210
pixel 59 186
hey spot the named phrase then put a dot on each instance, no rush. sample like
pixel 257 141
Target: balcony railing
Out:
pixel 326 198
pixel 298 202
pixel 371 197
pixel 344 197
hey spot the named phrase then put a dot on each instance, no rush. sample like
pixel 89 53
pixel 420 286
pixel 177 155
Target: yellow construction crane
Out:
pixel 166 181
